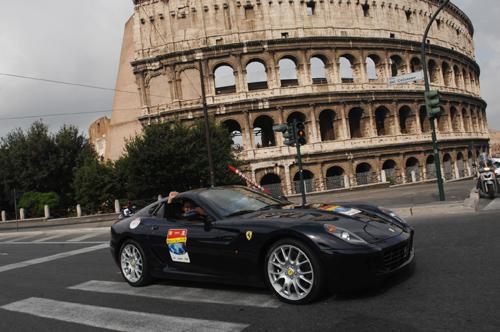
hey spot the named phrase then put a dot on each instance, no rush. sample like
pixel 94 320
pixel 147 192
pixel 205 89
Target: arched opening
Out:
pixel 465 78
pixel 458 77
pixel 288 72
pixel 460 165
pixel 430 168
pixel 372 62
pixel 470 161
pixel 415 64
pixel 447 74
pixel 433 72
pixel 272 182
pixel 190 84
pixel 466 120
pixel 263 132
pixel 447 167
pixel 327 125
pixel 356 123
pixel 455 119
pixel 364 174
pixel 475 123
pixel 412 170
pixel 442 121
pixel 383 121
pixel 406 120
pixel 308 181
pixel 397 65
pixel 334 178
pixel 256 75
pixel 318 70
pixel 346 72
pixel 390 169
pixel 234 130
pixel 424 120
pixel 225 82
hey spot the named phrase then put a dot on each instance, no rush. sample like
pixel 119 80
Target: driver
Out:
pixel 188 206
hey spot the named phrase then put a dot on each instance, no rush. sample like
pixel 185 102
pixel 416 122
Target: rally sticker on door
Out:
pixel 176 242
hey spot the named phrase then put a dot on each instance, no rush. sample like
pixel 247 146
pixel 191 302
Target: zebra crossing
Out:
pixel 126 320
pixel 68 236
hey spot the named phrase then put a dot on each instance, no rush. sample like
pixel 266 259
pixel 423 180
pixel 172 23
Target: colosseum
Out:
pixel 324 62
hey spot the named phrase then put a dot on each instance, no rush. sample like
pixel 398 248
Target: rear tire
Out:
pixel 294 272
pixel 133 264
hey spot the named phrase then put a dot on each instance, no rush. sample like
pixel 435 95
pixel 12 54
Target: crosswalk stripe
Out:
pixel 84 237
pixel 116 319
pixel 493 205
pixel 52 257
pixel 50 237
pixel 22 238
pixel 187 294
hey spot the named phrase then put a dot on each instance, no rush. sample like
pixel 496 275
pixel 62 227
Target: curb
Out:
pixel 434 209
pixel 42 223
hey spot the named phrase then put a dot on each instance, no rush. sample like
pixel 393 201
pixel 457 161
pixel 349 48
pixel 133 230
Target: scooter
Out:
pixel 487 182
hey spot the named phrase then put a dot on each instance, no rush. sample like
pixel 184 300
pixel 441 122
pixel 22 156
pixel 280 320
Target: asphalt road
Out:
pixel 66 280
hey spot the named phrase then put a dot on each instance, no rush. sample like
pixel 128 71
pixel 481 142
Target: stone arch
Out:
pixel 374 67
pixel 364 174
pixel 288 71
pixel 327 119
pixel 424 120
pixel 263 132
pixel 390 168
pixel 465 77
pixel 458 77
pixel 224 79
pixel 447 166
pixel 346 64
pixel 447 74
pixel 335 178
pixel 466 119
pixel 318 69
pixel 407 120
pixel 158 90
pixel 272 182
pixel 475 124
pixel 455 119
pixel 397 65
pixel 412 170
pixel 442 121
pixel 383 121
pixel 415 64
pixel 308 181
pixel 430 167
pixel 433 72
pixel 190 84
pixel 357 123
pixel 234 129
pixel 256 75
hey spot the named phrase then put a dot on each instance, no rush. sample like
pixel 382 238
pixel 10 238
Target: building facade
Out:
pixel 324 62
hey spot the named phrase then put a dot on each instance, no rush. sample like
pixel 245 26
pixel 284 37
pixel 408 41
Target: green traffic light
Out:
pixel 432 103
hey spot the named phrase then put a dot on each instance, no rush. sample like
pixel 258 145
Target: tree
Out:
pixel 34 202
pixel 174 157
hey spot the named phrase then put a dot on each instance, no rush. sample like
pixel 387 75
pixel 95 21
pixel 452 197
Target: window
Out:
pixel 366 10
pixel 310 8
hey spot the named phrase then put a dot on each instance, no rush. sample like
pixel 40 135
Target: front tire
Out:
pixel 491 191
pixel 294 272
pixel 133 264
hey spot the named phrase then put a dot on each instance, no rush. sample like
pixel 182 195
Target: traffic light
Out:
pixel 432 102
pixel 288 133
pixel 300 133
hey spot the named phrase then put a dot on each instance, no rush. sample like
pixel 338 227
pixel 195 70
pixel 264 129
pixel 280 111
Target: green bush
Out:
pixel 34 202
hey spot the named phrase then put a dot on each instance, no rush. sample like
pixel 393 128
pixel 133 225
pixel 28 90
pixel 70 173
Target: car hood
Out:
pixel 367 224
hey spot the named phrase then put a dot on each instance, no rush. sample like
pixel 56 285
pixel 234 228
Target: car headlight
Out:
pixel 393 214
pixel 343 234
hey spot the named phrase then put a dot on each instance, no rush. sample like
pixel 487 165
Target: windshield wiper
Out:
pixel 239 213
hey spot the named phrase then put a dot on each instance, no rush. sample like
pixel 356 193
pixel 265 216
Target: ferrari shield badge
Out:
pixel 176 242
pixel 249 235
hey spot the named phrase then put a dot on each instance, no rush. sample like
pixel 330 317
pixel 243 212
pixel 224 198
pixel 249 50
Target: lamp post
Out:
pixel 435 147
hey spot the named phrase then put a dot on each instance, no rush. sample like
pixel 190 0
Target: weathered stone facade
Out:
pixel 324 62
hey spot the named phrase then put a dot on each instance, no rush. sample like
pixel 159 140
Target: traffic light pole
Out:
pixel 435 147
pixel 299 161
pixel 208 140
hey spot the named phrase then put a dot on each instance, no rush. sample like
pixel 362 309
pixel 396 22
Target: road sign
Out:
pixel 403 79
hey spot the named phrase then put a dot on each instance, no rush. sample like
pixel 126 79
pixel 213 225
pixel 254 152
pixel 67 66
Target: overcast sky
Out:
pixel 80 41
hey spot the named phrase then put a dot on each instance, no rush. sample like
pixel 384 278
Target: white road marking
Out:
pixel 84 237
pixel 52 257
pixel 116 319
pixel 23 238
pixel 50 237
pixel 493 205
pixel 54 242
pixel 186 294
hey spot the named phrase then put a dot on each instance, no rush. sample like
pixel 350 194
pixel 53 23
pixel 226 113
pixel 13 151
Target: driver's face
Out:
pixel 187 207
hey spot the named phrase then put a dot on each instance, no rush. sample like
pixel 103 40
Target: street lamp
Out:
pixel 429 105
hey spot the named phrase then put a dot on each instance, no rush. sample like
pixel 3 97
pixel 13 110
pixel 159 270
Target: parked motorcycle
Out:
pixel 487 182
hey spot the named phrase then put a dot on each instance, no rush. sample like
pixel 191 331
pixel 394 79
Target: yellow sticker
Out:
pixel 249 235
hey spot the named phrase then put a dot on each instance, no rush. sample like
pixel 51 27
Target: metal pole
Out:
pixel 15 210
pixel 299 161
pixel 208 139
pixel 435 147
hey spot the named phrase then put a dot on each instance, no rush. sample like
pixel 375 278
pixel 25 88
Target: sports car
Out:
pixel 241 236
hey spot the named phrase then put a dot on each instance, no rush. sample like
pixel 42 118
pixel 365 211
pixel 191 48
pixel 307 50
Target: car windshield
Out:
pixel 236 201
